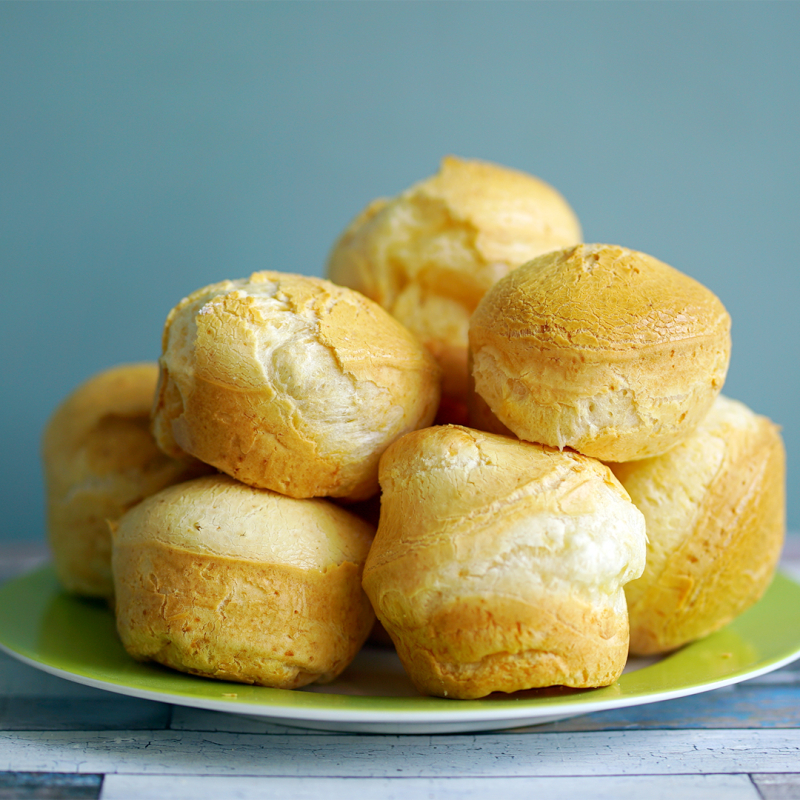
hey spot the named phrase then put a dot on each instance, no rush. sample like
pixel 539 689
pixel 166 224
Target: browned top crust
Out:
pixel 602 349
pixel 219 579
pixel 599 298
pixel 124 392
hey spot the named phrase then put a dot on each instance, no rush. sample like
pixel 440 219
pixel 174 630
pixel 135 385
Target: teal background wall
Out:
pixel 149 149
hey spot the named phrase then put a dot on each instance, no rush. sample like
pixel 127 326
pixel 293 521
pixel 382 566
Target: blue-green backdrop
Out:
pixel 148 149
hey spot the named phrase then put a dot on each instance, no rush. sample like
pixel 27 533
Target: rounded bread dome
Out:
pixel 498 565
pixel 431 253
pixel 602 349
pixel 219 579
pixel 290 383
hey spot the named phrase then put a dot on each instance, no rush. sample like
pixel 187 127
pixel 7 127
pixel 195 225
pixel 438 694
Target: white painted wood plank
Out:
pixel 33 700
pixel 778 787
pixel 786 676
pixel 22 552
pixel 49 714
pixel 792 569
pixel 662 787
pixel 648 752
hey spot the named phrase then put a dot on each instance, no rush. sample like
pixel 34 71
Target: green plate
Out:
pixel 75 639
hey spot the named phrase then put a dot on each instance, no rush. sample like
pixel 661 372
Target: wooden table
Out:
pixel 59 739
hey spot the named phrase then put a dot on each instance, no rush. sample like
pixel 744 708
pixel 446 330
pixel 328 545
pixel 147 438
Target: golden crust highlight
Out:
pixel 100 459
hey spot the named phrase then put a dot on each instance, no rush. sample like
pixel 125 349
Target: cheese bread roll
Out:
pixel 715 507
pixel 499 565
pixel 602 349
pixel 290 383
pixel 218 579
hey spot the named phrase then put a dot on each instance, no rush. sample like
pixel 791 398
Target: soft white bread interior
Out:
pixel 430 254
pixel 291 383
pixel 602 349
pixel 100 459
pixel 498 565
pixel 715 512
pixel 218 579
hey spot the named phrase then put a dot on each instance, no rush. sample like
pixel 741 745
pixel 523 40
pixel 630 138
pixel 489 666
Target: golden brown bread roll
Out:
pixel 218 579
pixel 498 565
pixel 602 349
pixel 430 254
pixel 100 459
pixel 715 512
pixel 290 383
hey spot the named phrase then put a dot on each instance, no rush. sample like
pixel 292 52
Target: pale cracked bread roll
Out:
pixel 598 348
pixel 100 459
pixel 290 383
pixel 430 254
pixel 498 565
pixel 715 512
pixel 218 579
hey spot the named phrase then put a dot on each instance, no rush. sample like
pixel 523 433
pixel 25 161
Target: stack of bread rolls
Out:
pixel 291 388
pixel 588 494
pixel 621 357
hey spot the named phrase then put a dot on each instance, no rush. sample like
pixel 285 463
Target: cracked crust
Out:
pixel 290 383
pixel 217 579
pixel 430 254
pixel 499 565
pixel 601 349
pixel 99 460
pixel 715 512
